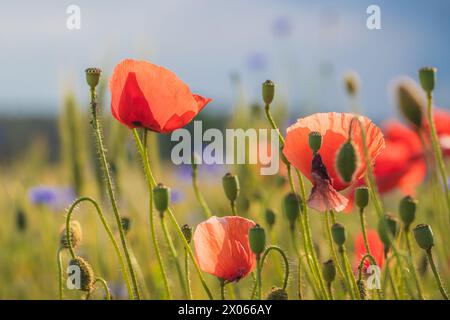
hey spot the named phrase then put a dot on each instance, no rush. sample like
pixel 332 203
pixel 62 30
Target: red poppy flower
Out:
pixel 321 170
pixel 376 249
pixel 222 247
pixel 150 96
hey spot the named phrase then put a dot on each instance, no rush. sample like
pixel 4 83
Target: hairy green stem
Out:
pixel 60 274
pixel 436 274
pixel 186 275
pixel 411 264
pixel 197 193
pixel 105 287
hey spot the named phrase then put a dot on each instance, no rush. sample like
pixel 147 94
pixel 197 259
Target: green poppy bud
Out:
pixel 387 229
pixel 161 197
pixel 257 239
pixel 338 233
pixel 351 81
pixel 187 232
pixel 329 271
pixel 270 217
pixel 231 186
pixel 76 235
pixel 410 103
pixel 86 273
pixel 315 141
pixel 424 236
pixel 268 91
pixel 407 209
pixel 362 197
pixel 427 78
pixel 347 161
pixel 291 205
pixel 93 77
pixel 277 294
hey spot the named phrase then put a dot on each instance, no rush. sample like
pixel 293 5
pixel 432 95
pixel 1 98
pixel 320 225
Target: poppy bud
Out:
pixel 410 103
pixel 329 271
pixel 257 239
pixel 126 224
pixel 187 232
pixel 362 197
pixel 351 80
pixel 270 217
pixel 387 229
pixel 315 141
pixel 407 210
pixel 338 233
pixel 291 205
pixel 424 236
pixel 346 161
pixel 76 235
pixel 93 76
pixel 231 186
pixel 427 78
pixel 86 273
pixel 277 294
pixel 268 91
pixel 161 195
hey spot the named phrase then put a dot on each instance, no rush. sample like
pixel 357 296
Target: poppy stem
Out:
pixel 437 149
pixel 436 274
pixel 391 280
pixel 233 208
pixel 60 275
pixel 186 273
pixel 222 288
pixel 152 183
pixel 104 163
pixel 198 195
pixel 110 236
pixel 411 263
pixel 258 276
pixel 105 287
pixel 362 220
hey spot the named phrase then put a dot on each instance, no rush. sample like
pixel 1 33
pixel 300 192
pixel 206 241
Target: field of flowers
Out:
pixel 358 210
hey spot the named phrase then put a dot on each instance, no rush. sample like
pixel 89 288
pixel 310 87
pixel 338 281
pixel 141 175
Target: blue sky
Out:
pixel 204 41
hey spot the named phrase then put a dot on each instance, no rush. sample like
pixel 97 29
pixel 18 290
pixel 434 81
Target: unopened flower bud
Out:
pixel 424 236
pixel 257 239
pixel 75 233
pixel 291 205
pixel 362 197
pixel 231 186
pixel 187 232
pixel 161 195
pixel 338 233
pixel 410 103
pixel 329 271
pixel 407 209
pixel 427 78
pixel 270 217
pixel 277 294
pixel 93 76
pixel 268 91
pixel 315 141
pixel 387 229
pixel 346 161
pixel 351 81
pixel 86 273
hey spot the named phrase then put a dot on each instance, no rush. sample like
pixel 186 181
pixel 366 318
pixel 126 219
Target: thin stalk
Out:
pixel 348 271
pixel 233 207
pixel 105 287
pixel 104 163
pixel 60 275
pixel 391 281
pixel 412 267
pixel 222 289
pixel 258 276
pixel 198 195
pixel 362 220
pixel 186 274
pixel 436 274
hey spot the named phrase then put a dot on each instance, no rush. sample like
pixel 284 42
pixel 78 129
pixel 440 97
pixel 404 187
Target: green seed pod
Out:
pixel 93 77
pixel 187 232
pixel 231 186
pixel 387 229
pixel 410 103
pixel 257 239
pixel 362 197
pixel 268 91
pixel 315 141
pixel 427 78
pixel 407 209
pixel 86 273
pixel 126 224
pixel 338 233
pixel 76 235
pixel 351 81
pixel 424 236
pixel 346 161
pixel 161 195
pixel 270 217
pixel 277 294
pixel 291 205
pixel 329 271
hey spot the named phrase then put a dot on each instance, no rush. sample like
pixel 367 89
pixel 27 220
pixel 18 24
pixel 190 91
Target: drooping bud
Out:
pixel 346 161
pixel 161 195
pixel 387 229
pixel 410 103
pixel 338 233
pixel 351 81
pixel 362 197
pixel 268 91
pixel 329 271
pixel 231 186
pixel 187 232
pixel 424 236
pixel 86 273
pixel 257 239
pixel 315 141
pixel 126 224
pixel 291 206
pixel 277 294
pixel 407 209
pixel 270 217
pixel 427 78
pixel 76 235
pixel 93 77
